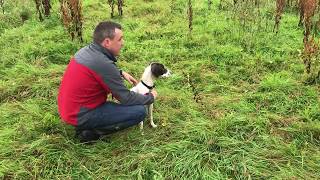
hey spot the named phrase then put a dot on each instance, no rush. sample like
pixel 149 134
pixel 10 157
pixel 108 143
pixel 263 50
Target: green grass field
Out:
pixel 236 107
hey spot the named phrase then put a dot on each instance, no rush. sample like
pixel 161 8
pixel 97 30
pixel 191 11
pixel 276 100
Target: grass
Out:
pixel 236 106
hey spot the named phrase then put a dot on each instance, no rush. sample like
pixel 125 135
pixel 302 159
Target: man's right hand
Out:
pixel 154 93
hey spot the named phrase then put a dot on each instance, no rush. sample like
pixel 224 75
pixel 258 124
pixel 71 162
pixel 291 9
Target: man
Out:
pixel 90 78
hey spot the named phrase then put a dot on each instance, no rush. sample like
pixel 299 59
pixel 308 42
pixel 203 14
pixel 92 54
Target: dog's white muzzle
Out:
pixel 167 74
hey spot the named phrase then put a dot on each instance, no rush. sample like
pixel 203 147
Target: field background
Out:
pixel 236 107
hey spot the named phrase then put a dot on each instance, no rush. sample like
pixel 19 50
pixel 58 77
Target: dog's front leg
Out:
pixel 141 125
pixel 151 115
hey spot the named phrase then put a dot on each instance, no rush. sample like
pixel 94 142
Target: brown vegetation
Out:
pixel 307 9
pixel 1 4
pixel 43 8
pixel 292 3
pixel 112 5
pixel 72 17
pixel 279 11
pixel 120 4
pixel 190 15
pixel 311 47
pixel 255 2
pixel 310 58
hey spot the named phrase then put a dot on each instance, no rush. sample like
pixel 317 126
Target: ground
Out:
pixel 236 107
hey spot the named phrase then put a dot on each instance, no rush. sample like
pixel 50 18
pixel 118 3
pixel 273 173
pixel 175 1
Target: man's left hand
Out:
pixel 129 78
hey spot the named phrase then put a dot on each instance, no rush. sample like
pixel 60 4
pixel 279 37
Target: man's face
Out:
pixel 114 45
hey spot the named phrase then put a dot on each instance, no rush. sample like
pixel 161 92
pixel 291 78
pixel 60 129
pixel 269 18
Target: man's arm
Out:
pixel 112 80
pixel 128 77
pixel 133 81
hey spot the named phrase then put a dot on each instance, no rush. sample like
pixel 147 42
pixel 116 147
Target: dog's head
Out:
pixel 158 70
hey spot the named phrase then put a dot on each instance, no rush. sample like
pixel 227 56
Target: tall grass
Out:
pixel 252 118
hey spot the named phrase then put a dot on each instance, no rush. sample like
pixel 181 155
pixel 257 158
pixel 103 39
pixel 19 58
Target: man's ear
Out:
pixel 106 42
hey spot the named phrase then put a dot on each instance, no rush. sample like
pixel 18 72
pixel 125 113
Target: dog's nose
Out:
pixel 167 74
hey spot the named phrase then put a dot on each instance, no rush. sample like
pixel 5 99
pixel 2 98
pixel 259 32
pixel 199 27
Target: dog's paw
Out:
pixel 153 125
pixel 141 125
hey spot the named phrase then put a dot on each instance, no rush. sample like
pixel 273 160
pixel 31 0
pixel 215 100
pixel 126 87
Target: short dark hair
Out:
pixel 105 29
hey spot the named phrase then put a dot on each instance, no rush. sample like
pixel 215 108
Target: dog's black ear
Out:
pixel 158 69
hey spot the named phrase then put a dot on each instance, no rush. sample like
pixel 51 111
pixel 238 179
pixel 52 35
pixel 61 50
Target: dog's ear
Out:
pixel 158 69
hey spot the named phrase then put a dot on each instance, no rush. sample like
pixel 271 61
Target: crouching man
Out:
pixel 90 78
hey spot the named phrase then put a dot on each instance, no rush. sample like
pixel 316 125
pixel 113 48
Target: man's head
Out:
pixel 109 35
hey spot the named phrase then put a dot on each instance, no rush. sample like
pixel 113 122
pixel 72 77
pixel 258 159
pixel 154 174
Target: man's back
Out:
pixel 82 88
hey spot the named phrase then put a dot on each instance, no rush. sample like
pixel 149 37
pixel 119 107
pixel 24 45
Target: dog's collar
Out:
pixel 149 87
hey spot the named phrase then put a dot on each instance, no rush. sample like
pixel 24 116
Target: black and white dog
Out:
pixel 150 74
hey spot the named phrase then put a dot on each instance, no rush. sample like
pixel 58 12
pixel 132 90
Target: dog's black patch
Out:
pixel 158 69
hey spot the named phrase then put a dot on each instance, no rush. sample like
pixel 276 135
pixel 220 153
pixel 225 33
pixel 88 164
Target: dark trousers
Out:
pixel 111 117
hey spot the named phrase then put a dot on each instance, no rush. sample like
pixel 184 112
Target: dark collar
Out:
pixel 149 87
pixel 105 51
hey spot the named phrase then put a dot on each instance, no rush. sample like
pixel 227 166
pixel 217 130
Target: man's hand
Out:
pixel 129 78
pixel 154 93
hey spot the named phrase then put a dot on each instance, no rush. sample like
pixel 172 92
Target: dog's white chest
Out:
pixel 140 88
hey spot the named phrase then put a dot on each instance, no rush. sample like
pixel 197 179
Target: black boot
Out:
pixel 87 136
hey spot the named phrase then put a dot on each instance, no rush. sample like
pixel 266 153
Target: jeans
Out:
pixel 111 117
